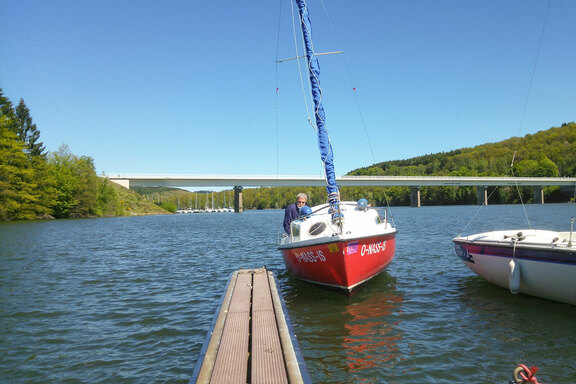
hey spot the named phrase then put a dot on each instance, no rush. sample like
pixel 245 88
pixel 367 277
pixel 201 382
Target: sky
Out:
pixel 193 87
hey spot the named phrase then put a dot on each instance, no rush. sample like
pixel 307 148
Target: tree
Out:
pixel 28 133
pixel 27 130
pixel 7 118
pixel 76 184
pixel 45 183
pixel 18 193
pixel 543 167
pixel 546 167
pixel 169 206
pixel 65 181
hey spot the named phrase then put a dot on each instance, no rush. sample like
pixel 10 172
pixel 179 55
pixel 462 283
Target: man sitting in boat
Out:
pixel 292 211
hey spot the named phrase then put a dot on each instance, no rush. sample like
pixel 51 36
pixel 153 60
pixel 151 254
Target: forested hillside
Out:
pixel 38 184
pixel 549 153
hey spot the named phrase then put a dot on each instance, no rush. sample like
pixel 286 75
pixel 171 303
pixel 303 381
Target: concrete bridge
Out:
pixel 414 182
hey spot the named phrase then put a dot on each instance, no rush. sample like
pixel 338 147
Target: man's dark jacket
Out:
pixel 290 214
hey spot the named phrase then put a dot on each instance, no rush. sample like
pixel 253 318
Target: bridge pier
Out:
pixel 538 194
pixel 238 199
pixel 482 195
pixel 415 197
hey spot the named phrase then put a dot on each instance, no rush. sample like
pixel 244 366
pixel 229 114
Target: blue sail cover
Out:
pixel 314 70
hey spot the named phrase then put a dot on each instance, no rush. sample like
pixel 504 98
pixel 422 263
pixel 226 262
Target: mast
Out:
pixel 326 153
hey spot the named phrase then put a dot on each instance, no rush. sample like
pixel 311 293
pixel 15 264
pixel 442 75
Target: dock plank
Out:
pixel 231 363
pixel 267 359
pixel 251 339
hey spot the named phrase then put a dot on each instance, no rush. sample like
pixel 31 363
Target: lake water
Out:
pixel 129 300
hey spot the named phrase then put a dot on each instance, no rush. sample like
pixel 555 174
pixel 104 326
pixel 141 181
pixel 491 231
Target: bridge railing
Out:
pixel 414 182
pixel 181 180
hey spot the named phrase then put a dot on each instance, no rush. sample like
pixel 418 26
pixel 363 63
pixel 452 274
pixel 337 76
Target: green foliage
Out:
pixel 27 130
pixel 7 116
pixel 550 153
pixel 60 185
pixel 553 150
pixel 18 194
pixel 62 164
pixel 128 202
pixel 169 206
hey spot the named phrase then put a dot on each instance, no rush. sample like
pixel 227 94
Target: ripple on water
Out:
pixel 129 300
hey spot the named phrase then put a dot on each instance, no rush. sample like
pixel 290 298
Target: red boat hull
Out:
pixel 342 264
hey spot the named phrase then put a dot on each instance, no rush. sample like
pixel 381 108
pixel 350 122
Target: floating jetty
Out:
pixel 251 339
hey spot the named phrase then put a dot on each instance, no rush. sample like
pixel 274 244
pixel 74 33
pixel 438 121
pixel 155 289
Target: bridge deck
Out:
pixel 251 340
pixel 168 180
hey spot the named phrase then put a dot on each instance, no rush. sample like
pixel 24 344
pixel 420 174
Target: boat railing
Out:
pixel 283 237
pixel 385 219
pixel 354 204
pixel 382 214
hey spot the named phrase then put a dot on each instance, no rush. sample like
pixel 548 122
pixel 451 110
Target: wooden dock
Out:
pixel 251 339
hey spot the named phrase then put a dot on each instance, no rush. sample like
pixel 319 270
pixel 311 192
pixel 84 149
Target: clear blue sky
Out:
pixel 189 86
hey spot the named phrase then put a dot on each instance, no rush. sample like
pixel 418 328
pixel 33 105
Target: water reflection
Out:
pixel 358 334
pixel 372 339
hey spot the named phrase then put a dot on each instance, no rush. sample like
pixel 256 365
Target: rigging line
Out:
pixel 534 65
pixel 330 150
pixel 519 192
pixel 532 75
pixel 348 72
pixel 471 219
pixel 478 210
pixel 522 120
pixel 311 72
pixel 277 95
pixel 485 203
pixel 302 86
pixel 316 114
pixel 490 195
pixel 302 82
pixel 301 57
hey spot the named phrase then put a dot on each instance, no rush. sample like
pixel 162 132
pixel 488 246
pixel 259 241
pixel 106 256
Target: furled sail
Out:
pixel 323 140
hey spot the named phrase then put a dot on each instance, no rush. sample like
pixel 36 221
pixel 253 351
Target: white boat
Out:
pixel 535 262
pixel 340 244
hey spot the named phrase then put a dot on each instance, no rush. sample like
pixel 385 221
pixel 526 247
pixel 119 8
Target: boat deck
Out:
pixel 251 340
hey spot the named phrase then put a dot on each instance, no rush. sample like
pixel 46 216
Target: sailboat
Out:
pixel 340 244
pixel 535 262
